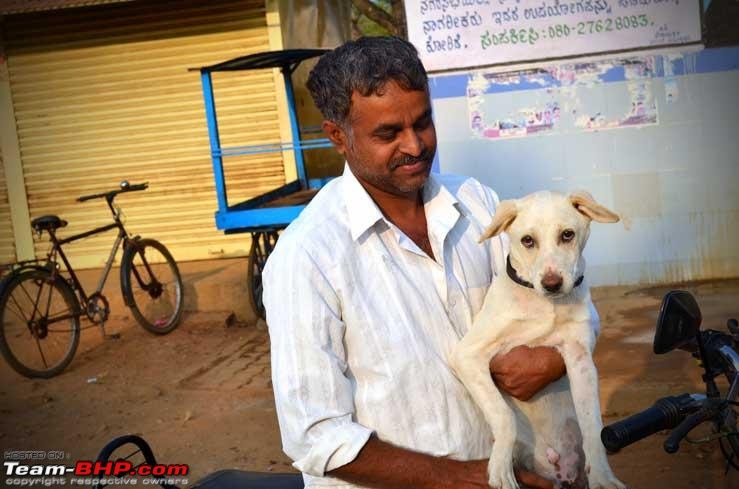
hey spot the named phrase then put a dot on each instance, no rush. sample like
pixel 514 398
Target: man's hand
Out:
pixel 474 475
pixel 524 371
pixel 381 465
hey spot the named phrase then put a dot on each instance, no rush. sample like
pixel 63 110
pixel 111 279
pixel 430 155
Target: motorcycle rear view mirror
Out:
pixel 678 323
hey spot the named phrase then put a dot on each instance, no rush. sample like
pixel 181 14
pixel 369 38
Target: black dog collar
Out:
pixel 514 276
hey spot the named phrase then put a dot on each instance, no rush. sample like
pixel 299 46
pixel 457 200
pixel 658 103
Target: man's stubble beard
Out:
pixel 386 182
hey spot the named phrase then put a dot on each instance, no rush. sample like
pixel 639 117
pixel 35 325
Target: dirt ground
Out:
pixel 202 395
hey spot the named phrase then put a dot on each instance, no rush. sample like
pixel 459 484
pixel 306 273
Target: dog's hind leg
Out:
pixel 472 367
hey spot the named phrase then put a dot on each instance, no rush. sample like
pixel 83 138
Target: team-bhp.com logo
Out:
pixel 88 472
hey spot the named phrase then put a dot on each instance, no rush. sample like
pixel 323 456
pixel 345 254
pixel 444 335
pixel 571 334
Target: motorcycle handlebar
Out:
pixel 666 413
pixel 707 411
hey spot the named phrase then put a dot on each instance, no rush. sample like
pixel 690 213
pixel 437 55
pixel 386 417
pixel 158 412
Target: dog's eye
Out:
pixel 568 235
pixel 528 241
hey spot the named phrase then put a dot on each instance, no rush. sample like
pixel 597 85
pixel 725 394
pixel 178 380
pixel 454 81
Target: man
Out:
pixel 369 289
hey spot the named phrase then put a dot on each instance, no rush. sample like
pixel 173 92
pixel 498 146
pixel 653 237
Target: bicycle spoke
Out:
pixel 138 450
pixel 34 302
pixel 41 352
pixel 20 310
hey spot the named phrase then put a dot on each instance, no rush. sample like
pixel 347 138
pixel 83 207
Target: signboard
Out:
pixel 466 33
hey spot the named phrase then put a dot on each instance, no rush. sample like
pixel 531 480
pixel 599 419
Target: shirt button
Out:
pixel 452 303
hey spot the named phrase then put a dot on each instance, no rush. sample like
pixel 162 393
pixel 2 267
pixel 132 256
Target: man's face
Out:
pixel 390 140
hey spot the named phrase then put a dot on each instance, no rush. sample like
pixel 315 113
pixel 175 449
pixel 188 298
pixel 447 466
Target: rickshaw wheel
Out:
pixel 262 244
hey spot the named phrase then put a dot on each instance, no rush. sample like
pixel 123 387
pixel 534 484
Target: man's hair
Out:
pixel 364 65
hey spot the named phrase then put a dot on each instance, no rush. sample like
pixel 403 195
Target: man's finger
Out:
pixel 532 480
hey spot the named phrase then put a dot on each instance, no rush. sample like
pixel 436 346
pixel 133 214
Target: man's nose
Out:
pixel 552 282
pixel 411 144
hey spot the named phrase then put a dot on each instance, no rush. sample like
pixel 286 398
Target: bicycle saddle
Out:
pixel 45 223
pixel 239 479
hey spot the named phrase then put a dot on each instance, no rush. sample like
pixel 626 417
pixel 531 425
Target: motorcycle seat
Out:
pixel 240 479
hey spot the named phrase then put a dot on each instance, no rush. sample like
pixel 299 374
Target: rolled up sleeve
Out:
pixel 313 395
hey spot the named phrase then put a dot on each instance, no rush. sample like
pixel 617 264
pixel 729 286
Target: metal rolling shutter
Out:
pixel 102 94
pixel 7 241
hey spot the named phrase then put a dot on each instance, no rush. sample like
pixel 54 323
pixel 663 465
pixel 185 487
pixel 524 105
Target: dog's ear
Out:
pixel 505 213
pixel 587 206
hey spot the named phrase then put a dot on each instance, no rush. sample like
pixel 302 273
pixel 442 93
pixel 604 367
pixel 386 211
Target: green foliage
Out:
pixel 368 27
pixel 362 25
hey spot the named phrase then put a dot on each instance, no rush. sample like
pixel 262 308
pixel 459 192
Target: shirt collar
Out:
pixel 442 210
pixel 362 210
pixel 439 204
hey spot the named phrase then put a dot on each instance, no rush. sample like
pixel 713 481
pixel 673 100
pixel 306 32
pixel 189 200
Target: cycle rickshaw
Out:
pixel 265 215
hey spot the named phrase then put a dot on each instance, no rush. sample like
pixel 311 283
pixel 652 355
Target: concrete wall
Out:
pixel 654 137
pixel 314 24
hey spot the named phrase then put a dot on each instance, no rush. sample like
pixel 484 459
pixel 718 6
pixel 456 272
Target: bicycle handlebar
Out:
pixel 125 187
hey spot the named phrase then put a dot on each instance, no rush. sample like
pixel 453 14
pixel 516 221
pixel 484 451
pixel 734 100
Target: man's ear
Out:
pixel 505 214
pixel 587 206
pixel 336 135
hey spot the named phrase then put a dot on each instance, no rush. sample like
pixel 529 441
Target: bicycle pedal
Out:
pixel 112 336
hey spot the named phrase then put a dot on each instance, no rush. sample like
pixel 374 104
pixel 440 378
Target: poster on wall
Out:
pixel 455 34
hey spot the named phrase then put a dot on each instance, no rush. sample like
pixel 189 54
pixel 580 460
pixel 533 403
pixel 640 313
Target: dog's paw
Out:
pixel 506 480
pixel 604 480
pixel 501 476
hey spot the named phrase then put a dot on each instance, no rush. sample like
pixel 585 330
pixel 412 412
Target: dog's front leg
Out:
pixel 472 366
pixel 583 378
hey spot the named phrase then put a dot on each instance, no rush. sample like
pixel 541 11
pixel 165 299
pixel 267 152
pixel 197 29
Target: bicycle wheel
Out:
pixel 40 323
pixel 151 285
pixel 262 244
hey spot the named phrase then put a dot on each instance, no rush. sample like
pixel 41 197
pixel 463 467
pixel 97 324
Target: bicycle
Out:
pixel 40 309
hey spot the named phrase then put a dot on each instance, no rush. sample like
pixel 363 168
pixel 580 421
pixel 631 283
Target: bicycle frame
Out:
pixel 57 244
pixel 122 237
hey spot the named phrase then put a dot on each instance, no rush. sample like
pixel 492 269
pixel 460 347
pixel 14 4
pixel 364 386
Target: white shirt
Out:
pixel 361 322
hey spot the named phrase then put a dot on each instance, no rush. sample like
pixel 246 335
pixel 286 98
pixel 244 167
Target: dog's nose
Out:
pixel 552 282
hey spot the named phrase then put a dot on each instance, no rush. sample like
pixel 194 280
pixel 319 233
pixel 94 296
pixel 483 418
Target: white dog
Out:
pixel 542 300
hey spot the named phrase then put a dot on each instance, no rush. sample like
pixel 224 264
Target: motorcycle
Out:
pixel 678 327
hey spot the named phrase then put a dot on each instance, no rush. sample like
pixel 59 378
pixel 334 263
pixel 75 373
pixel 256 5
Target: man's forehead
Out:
pixel 389 98
pixel 390 88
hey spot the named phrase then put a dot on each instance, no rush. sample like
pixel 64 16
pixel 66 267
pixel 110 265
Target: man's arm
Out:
pixel 313 396
pixel 384 466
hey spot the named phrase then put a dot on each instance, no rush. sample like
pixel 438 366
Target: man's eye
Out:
pixel 386 136
pixel 528 241
pixel 567 235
